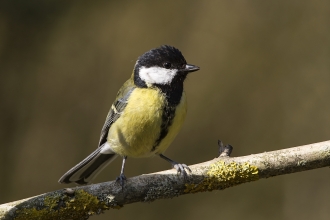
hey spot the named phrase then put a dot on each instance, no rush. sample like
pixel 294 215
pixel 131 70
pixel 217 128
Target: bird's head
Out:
pixel 161 66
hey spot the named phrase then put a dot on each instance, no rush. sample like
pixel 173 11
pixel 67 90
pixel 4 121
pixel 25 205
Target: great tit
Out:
pixel 147 114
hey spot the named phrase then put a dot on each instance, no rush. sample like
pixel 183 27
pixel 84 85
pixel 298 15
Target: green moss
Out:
pixel 222 175
pixel 79 206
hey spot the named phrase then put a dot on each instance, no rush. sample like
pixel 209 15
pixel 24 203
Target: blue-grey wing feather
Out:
pixel 116 110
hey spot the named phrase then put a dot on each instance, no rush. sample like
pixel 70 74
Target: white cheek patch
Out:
pixel 157 75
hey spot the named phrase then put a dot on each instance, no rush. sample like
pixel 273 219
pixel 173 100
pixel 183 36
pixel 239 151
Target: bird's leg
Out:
pixel 122 178
pixel 180 167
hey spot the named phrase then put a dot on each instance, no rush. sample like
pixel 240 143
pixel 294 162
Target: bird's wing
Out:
pixel 116 109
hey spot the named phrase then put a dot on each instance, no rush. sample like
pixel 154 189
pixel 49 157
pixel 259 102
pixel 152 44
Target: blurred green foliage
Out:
pixel 264 85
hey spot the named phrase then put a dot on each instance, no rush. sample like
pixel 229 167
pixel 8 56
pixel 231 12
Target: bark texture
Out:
pixel 216 174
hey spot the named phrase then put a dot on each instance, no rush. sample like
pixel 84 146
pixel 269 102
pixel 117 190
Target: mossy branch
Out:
pixel 216 174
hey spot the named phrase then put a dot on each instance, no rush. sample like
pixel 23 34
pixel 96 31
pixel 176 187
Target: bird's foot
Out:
pixel 181 169
pixel 121 179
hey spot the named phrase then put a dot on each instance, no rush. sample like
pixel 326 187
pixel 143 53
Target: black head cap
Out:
pixel 165 56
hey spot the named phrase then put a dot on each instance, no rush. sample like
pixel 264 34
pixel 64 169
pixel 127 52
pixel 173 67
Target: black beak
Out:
pixel 190 68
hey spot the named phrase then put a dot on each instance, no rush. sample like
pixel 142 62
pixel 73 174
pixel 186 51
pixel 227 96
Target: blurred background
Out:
pixel 264 85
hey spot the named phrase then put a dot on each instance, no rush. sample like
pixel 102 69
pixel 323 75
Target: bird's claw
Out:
pixel 121 179
pixel 181 169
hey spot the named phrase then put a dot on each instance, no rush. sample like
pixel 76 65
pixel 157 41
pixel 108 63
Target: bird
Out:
pixel 145 117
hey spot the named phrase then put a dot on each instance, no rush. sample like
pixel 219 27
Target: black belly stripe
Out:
pixel 173 94
pixel 167 119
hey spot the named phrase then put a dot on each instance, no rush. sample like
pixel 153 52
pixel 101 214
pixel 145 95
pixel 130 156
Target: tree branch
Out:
pixel 216 174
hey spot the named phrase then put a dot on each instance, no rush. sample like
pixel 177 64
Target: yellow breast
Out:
pixel 136 130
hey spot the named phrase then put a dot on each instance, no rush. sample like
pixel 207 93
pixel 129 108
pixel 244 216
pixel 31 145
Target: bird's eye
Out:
pixel 167 65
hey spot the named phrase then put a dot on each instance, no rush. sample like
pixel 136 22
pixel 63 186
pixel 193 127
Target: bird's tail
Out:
pixel 87 169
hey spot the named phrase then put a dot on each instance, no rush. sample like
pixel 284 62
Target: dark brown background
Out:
pixel 263 85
